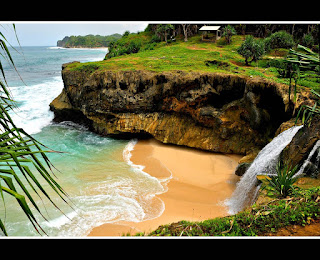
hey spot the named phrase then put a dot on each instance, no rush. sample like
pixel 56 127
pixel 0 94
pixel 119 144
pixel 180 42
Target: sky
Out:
pixel 48 33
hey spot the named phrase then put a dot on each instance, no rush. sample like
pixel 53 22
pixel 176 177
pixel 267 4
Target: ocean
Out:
pixel 104 186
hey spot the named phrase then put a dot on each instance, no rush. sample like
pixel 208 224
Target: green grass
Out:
pixel 191 55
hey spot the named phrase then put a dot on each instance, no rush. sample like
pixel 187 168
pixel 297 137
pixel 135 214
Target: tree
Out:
pixel 163 30
pixel 227 33
pixel 21 156
pixel 251 49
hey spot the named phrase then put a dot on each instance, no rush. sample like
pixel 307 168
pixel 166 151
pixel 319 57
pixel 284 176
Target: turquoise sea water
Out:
pixel 103 185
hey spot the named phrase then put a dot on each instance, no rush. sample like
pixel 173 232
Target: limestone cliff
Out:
pixel 210 111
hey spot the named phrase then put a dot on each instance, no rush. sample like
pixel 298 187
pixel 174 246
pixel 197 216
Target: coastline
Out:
pixel 196 182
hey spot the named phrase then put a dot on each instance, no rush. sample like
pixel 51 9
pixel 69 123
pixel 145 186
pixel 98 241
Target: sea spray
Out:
pixel 33 112
pixel 265 163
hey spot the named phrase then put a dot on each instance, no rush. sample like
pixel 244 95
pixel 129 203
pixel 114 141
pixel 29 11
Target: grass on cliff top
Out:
pixel 195 55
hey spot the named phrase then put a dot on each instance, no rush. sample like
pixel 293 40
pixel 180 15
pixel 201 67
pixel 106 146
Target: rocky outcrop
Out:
pixel 209 111
pixel 298 150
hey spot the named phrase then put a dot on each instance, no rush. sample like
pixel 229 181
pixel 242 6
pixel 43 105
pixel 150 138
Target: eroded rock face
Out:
pixel 209 111
pixel 298 150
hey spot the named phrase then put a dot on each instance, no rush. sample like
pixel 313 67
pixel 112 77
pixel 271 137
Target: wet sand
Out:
pixel 197 184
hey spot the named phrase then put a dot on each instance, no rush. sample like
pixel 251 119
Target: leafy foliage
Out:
pixel 305 58
pixel 305 63
pixel 279 39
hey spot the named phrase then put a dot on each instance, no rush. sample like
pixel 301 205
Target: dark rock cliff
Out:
pixel 298 150
pixel 209 111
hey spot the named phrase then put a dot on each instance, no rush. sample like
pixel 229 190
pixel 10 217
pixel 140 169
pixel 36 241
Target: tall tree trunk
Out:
pixel 292 29
pixel 185 31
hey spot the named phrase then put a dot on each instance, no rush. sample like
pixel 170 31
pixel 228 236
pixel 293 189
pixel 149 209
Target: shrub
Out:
pixel 155 38
pixel 251 49
pixel 123 46
pixel 279 39
pixel 308 40
pixel 133 47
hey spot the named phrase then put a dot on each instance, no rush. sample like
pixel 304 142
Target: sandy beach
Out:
pixel 197 184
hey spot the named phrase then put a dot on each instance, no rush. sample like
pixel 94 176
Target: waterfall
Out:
pixel 265 163
pixel 308 162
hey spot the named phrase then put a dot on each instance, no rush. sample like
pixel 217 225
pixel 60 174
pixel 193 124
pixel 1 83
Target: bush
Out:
pixel 251 49
pixel 133 47
pixel 123 46
pixel 155 38
pixel 278 65
pixel 279 39
pixel 308 40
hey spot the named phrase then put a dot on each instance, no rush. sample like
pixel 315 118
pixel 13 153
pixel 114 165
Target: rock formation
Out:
pixel 209 111
pixel 300 147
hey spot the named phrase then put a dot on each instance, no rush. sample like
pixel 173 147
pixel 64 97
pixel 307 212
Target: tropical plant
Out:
pixel 23 159
pixel 227 33
pixel 282 182
pixel 251 49
pixel 305 58
pixel 304 63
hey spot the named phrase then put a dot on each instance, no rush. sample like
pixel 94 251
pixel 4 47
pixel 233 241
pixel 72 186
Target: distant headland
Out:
pixel 88 41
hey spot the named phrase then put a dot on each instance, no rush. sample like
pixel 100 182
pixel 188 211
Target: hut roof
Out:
pixel 209 28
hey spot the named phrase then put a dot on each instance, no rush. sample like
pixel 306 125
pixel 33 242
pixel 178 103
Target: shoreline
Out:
pixel 196 183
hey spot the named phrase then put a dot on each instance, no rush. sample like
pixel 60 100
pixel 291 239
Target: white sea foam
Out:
pixel 55 48
pixel 105 49
pixel 62 220
pixel 33 111
pixel 139 168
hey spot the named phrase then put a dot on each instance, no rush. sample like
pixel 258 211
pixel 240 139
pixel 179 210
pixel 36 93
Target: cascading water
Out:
pixel 265 163
pixel 307 163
